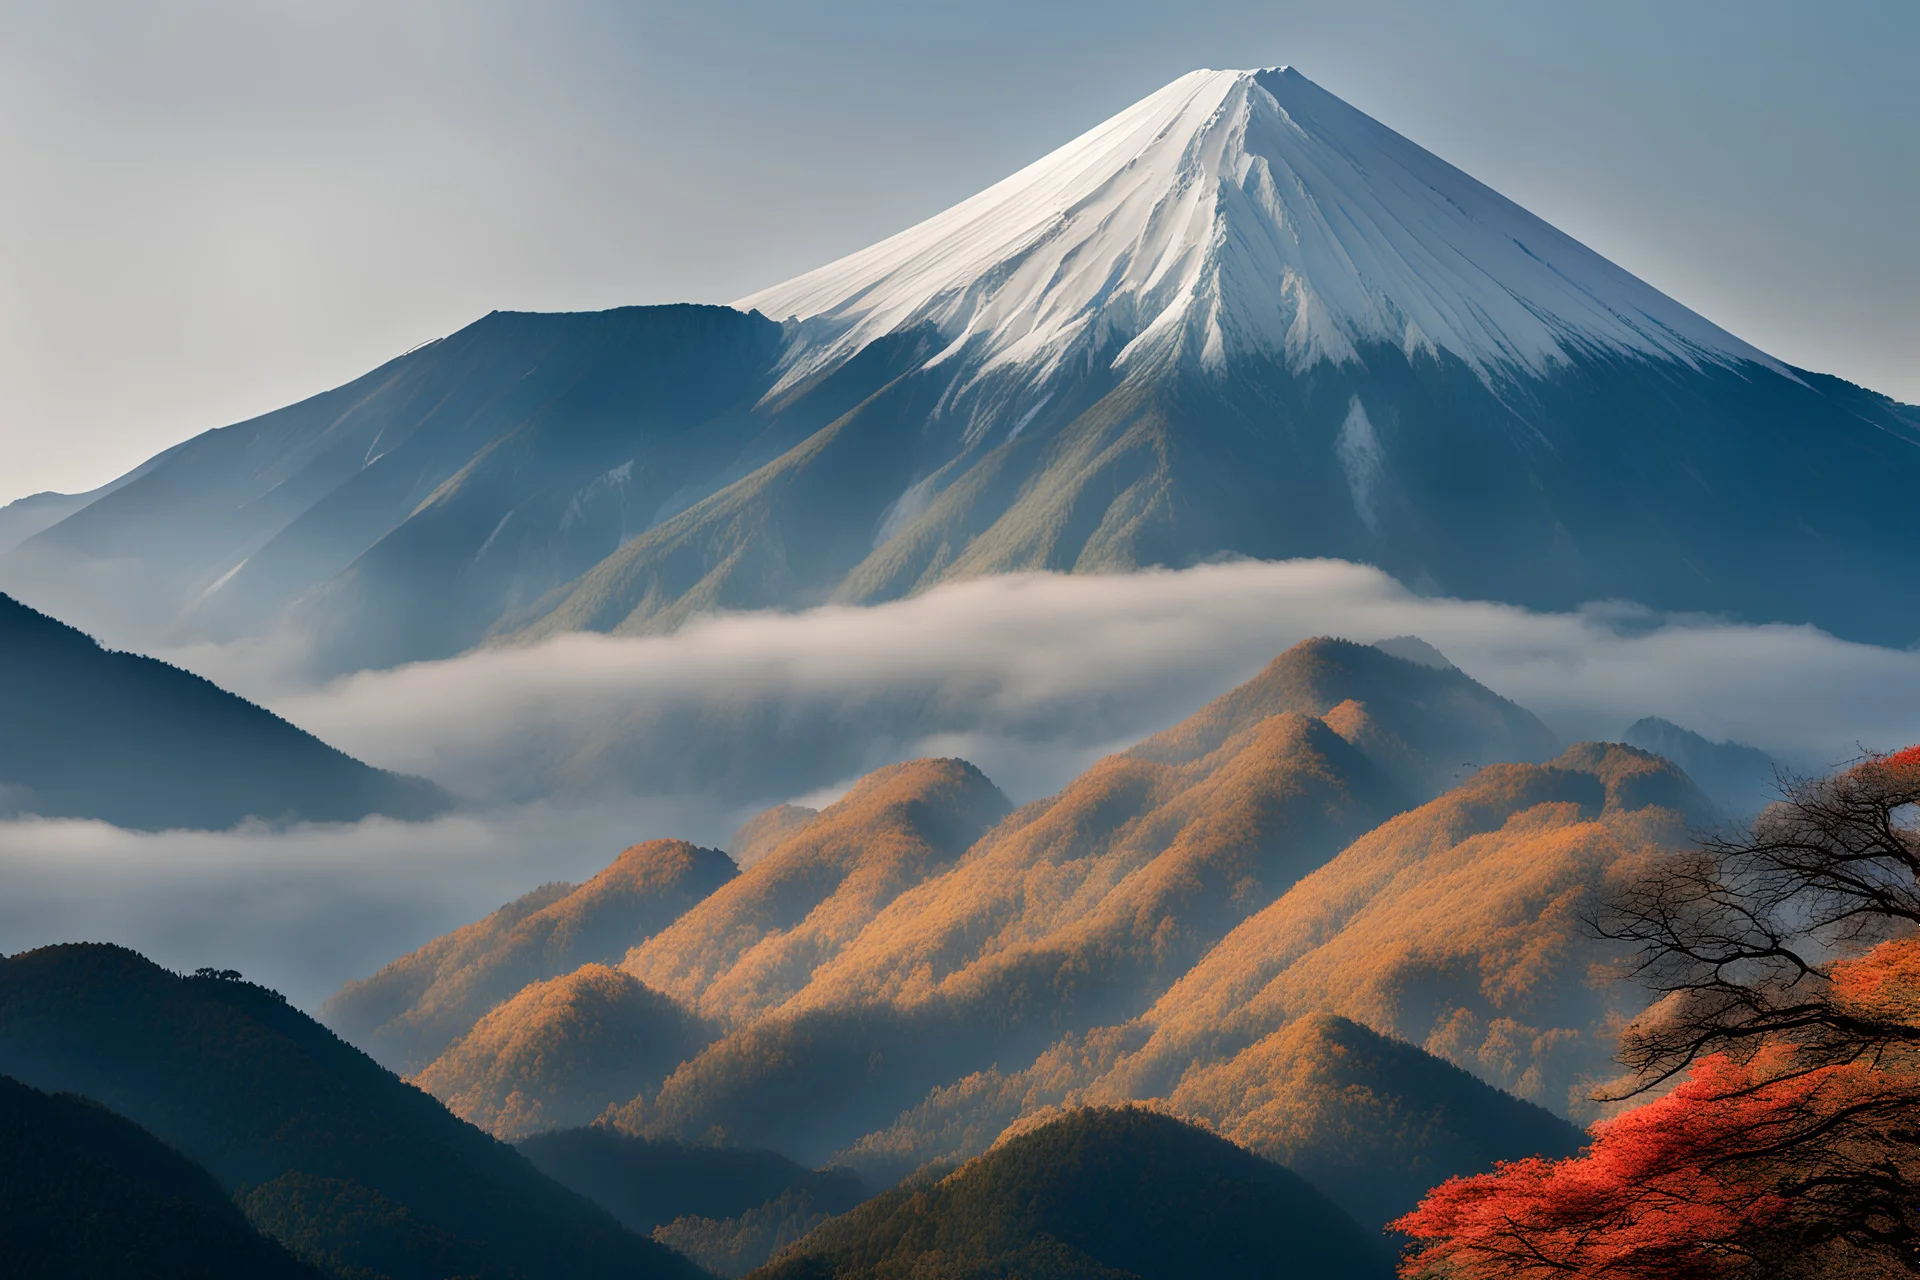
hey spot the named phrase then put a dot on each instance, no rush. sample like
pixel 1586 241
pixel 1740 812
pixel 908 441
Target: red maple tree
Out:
pixel 1787 970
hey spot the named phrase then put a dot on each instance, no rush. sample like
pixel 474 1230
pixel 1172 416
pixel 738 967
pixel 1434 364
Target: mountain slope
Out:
pixel 1240 317
pixel 1075 911
pixel 1456 926
pixel 559 1052
pixel 89 733
pixel 1244 317
pixel 757 940
pixel 1096 1195
pixel 338 1158
pixel 87 1195
pixel 407 1014
pixel 1742 780
pixel 413 506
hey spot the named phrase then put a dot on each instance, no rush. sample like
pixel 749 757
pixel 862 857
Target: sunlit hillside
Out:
pixel 1081 909
pixel 410 1011
pixel 1456 927
pixel 562 1050
pixel 754 943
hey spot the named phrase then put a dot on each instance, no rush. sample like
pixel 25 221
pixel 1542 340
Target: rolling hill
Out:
pixel 1333 916
pixel 756 941
pixel 328 1153
pixel 1456 927
pixel 86 732
pixel 1096 1195
pixel 915 932
pixel 88 1195
pixel 412 1009
pixel 561 1051
pixel 1079 910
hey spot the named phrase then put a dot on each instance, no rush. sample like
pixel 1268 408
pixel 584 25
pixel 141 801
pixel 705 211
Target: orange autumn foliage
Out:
pixel 1791 1147
pixel 1724 1174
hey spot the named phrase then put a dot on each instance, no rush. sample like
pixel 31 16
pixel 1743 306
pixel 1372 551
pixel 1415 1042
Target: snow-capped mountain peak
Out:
pixel 1242 213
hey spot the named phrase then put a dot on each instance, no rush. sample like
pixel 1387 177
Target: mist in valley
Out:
pixel 570 750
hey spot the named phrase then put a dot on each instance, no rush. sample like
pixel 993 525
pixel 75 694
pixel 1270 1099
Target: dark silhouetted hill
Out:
pixel 89 733
pixel 1096 1195
pixel 1742 780
pixel 88 1195
pixel 646 1182
pixel 408 1013
pixel 727 1208
pixel 329 1152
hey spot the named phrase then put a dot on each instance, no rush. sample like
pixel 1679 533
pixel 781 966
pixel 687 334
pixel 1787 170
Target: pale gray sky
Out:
pixel 210 209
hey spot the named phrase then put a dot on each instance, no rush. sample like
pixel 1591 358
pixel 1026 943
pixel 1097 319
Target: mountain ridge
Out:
pixel 1241 318
pixel 1247 212
pixel 89 732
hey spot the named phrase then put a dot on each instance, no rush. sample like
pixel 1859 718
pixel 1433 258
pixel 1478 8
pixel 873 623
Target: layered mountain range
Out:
pixel 1241 318
pixel 1280 969
pixel 1295 918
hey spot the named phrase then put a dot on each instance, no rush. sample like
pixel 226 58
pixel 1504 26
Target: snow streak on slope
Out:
pixel 1238 213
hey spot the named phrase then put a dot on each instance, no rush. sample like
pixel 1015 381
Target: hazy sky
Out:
pixel 211 209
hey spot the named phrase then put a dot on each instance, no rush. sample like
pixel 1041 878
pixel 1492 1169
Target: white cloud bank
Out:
pixel 588 743
pixel 1037 670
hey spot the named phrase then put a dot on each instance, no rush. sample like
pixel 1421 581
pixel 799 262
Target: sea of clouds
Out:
pixel 574 748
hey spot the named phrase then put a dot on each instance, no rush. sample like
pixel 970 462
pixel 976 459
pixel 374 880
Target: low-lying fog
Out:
pixel 579 746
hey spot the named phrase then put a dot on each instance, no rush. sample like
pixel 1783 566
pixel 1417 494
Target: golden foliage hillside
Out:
pixel 1421 723
pixel 409 1012
pixel 1076 904
pixel 757 941
pixel 1086 905
pixel 1456 927
pixel 559 1052
pixel 765 832
pixel 1076 911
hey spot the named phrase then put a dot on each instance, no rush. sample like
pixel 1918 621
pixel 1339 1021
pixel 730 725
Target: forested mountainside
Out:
pixel 898 978
pixel 1096 1195
pixel 86 732
pixel 1292 918
pixel 727 1208
pixel 88 1195
pixel 412 1009
pixel 326 1152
